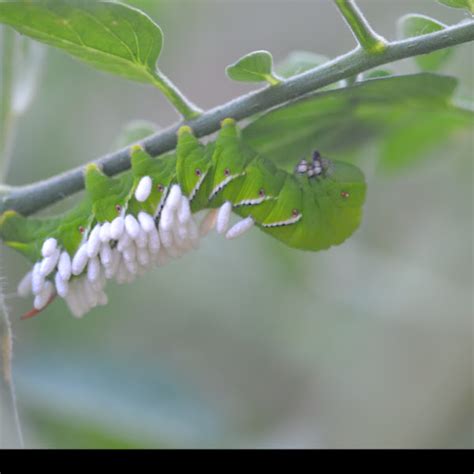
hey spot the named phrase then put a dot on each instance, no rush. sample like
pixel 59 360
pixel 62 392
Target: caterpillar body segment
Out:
pixel 128 224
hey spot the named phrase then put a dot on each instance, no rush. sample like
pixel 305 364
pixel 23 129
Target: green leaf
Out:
pixel 415 134
pixel 341 122
pixel 377 73
pixel 253 67
pixel 298 62
pixel 467 4
pixel 417 25
pixel 109 36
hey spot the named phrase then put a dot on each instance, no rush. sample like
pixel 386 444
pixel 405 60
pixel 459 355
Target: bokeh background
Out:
pixel 247 343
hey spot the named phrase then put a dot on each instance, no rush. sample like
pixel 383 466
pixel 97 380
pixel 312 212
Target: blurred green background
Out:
pixel 247 343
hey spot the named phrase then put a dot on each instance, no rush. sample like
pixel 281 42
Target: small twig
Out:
pixel 186 108
pixel 34 197
pixel 363 32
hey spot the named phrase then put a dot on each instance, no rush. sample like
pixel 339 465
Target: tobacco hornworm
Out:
pixel 128 224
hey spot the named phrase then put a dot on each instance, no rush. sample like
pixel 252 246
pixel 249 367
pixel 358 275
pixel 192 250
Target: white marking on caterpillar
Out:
pixel 93 243
pixel 146 221
pixel 291 220
pixel 240 228
pixel 142 193
pixel 62 286
pixel 253 202
pixel 104 233
pixel 49 247
pixel 117 227
pixel 24 287
pixel 223 184
pixel 42 298
pixel 37 280
pixel 64 266
pixel 132 226
pixel 208 223
pixel 49 263
pixel 80 260
pixel 197 186
pixel 223 217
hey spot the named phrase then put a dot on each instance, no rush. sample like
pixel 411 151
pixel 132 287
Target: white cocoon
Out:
pixel 223 217
pixel 49 246
pixel 64 266
pixel 143 190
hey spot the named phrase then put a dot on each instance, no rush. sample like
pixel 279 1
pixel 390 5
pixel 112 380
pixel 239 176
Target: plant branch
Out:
pixel 363 32
pixel 34 197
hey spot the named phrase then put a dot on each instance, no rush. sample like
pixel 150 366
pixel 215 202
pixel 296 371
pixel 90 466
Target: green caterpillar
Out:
pixel 127 224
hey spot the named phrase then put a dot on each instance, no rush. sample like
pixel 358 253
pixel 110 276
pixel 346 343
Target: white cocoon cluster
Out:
pixel 122 250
